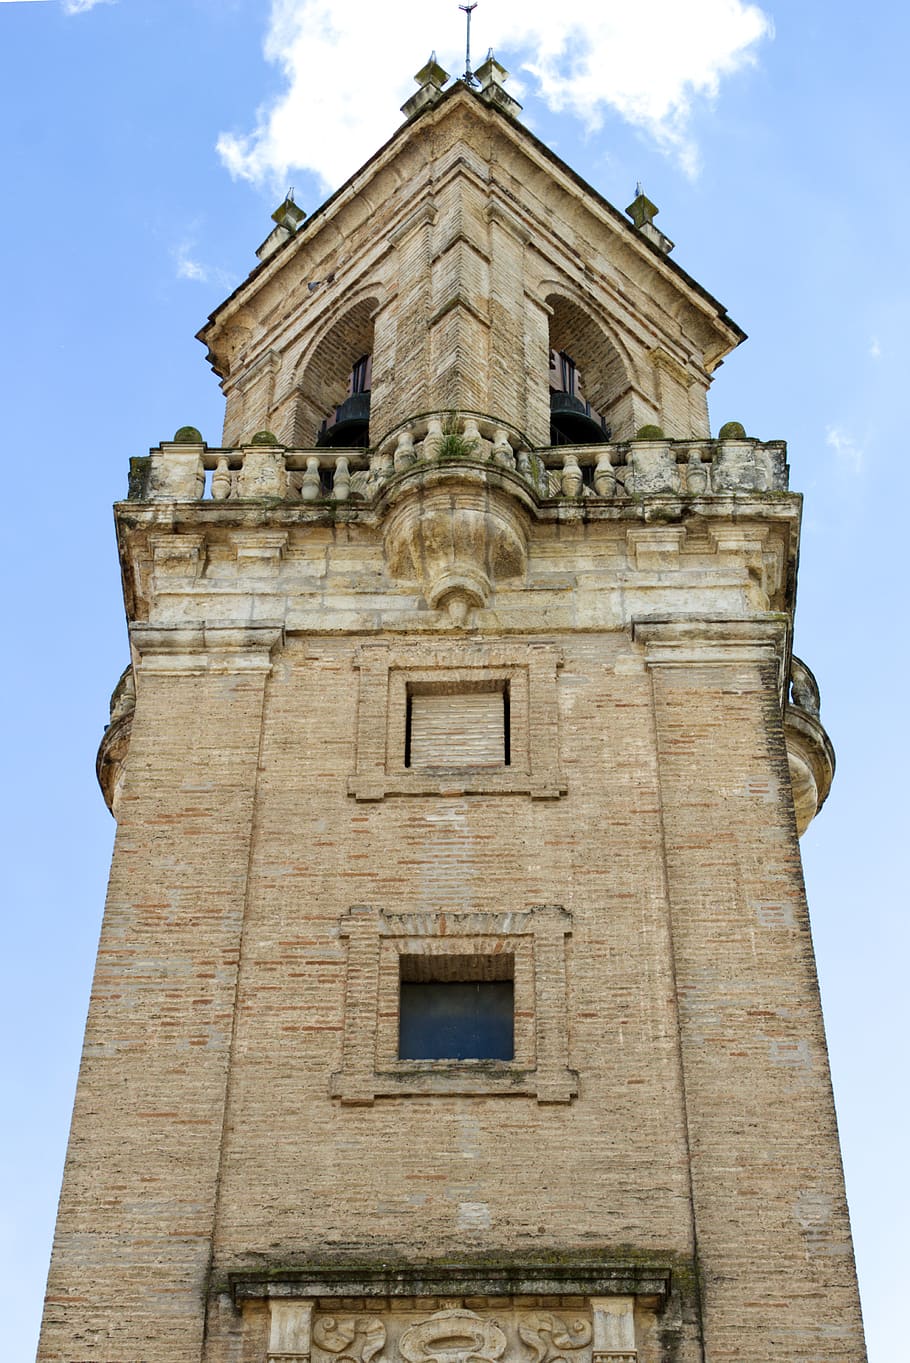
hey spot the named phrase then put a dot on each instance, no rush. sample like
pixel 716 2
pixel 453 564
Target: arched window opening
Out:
pixel 348 427
pixel 334 387
pixel 573 421
pixel 587 378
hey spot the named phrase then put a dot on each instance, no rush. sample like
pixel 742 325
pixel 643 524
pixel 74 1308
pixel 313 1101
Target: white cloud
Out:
pixel 848 454
pixel 82 6
pixel 875 349
pixel 346 73
pixel 188 267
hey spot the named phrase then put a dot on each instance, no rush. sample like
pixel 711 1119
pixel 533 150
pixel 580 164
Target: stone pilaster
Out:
pixel 137 1209
pixel 768 1198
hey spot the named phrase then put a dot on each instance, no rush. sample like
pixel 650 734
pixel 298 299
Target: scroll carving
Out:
pixel 455 1336
pixel 549 1337
pixel 352 1339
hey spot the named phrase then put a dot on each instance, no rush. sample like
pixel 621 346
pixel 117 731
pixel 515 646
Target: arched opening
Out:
pixel 333 406
pixel 587 378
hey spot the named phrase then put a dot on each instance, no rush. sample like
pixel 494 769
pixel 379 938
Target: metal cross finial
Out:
pixel 468 76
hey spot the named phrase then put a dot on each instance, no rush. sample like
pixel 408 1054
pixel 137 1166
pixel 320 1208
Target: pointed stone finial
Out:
pixel 643 212
pixel 493 76
pixel 288 217
pixel 288 214
pixel 431 78
pixel 432 73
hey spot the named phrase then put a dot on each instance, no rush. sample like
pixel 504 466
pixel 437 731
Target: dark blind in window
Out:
pixel 443 1020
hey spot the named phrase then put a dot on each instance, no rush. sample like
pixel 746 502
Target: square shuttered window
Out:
pixel 458 728
pixel 456 1007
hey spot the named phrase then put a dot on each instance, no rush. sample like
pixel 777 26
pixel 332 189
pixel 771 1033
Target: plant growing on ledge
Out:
pixel 454 445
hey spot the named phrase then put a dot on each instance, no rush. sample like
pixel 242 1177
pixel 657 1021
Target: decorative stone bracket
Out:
pixel 456 531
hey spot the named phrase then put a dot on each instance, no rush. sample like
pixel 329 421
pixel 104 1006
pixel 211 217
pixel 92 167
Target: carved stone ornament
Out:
pixel 456 534
pixel 550 1338
pixel 499 1330
pixel 456 1336
pixel 352 1339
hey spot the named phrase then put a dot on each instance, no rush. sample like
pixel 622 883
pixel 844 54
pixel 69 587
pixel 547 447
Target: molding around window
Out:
pixel 534 937
pixel 386 672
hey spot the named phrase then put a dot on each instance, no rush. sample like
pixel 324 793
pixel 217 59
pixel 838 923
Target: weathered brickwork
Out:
pixel 254 1173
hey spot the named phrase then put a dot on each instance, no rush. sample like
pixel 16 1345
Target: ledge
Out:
pixel 556 1278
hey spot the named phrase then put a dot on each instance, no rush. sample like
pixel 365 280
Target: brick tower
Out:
pixel 455 1000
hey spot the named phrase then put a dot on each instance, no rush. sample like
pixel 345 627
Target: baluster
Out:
pixel 405 454
pixel 341 482
pixel 311 487
pixel 433 438
pixel 571 481
pixel 696 474
pixel 604 477
pixel 473 440
pixel 502 449
pixel 221 480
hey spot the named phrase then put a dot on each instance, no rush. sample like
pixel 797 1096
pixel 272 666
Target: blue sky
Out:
pixel 145 143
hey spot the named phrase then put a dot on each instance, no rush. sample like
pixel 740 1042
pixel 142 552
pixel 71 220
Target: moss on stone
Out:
pixel 187 435
pixel 732 430
pixel 264 438
pixel 650 433
pixel 140 469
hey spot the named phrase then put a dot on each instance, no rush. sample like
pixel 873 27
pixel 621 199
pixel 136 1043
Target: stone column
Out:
pixel 131 1257
pixel 768 1201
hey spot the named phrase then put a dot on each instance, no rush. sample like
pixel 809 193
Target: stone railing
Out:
pixel 630 469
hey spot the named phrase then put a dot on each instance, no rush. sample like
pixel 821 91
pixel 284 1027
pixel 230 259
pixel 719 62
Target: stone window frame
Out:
pixel 536 940
pixel 386 671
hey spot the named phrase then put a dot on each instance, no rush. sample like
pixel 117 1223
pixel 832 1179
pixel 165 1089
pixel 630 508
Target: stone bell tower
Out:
pixel 455 1000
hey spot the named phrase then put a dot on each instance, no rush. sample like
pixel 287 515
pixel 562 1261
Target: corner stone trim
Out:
pixel 202 647
pixel 695 641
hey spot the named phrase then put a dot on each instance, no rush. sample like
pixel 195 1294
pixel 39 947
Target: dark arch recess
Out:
pixel 323 381
pixel 604 379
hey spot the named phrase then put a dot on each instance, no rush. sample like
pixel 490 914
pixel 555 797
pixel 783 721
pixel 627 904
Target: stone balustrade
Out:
pixel 633 469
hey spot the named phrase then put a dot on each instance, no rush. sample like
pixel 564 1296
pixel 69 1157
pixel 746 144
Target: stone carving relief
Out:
pixel 456 1336
pixel 350 1339
pixel 453 1335
pixel 501 1330
pixel 550 1338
